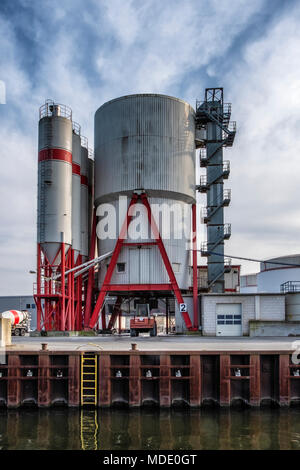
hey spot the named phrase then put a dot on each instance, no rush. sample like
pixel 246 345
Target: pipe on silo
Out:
pixel 84 200
pixel 76 191
pixel 91 193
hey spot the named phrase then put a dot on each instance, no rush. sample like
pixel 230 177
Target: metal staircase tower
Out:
pixel 213 119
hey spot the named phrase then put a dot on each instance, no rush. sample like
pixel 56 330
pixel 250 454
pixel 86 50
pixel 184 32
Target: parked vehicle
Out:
pixel 20 321
pixel 143 321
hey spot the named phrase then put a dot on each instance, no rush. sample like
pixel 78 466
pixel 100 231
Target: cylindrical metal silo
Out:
pixel 76 191
pixel 84 200
pixel 54 178
pixel 147 142
pixel 91 191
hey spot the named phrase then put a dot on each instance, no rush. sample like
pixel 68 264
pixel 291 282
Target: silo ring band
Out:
pixel 75 169
pixel 55 154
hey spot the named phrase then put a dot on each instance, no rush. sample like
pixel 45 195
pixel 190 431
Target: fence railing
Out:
pixel 290 286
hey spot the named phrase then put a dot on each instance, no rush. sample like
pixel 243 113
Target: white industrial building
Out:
pixel 274 272
pixel 233 314
pixel 248 283
pixel 231 279
pixel 229 315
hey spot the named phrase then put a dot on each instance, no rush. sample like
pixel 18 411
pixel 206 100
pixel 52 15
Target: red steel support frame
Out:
pixel 38 276
pixel 120 242
pixel 109 272
pixel 55 304
pixel 63 288
pixel 116 313
pixel 90 285
pixel 78 298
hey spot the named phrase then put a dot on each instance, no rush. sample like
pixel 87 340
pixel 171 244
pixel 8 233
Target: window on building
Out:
pixel 33 306
pixel 229 319
pixel 121 267
pixel 176 267
pixel 28 306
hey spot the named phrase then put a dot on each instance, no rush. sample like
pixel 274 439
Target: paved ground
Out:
pixel 160 343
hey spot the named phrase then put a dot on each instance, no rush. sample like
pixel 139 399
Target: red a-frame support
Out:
pixel 107 286
pixel 55 300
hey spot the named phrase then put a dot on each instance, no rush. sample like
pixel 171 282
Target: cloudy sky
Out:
pixel 85 52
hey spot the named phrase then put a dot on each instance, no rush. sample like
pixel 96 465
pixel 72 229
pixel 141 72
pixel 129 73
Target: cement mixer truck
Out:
pixel 20 321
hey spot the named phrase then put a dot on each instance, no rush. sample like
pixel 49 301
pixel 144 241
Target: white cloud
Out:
pixel 167 40
pixel 150 46
pixel 264 89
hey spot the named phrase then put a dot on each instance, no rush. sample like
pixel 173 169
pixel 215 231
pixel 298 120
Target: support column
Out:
pixel 195 268
pixel 255 380
pixel 90 285
pixel 74 380
pixel 167 315
pixel 38 288
pixel 63 289
pixel 14 383
pixel 104 383
pixel 44 384
pixel 135 380
pixel 284 382
pixel 165 382
pixel 195 381
pixel 224 380
pixel 257 307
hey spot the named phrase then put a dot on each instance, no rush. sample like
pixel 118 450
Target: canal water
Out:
pixel 56 429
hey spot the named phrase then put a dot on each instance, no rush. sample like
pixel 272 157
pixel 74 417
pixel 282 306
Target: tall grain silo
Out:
pixel 54 212
pixel 84 200
pixel 76 191
pixel 145 147
pixel 91 192
pixel 55 178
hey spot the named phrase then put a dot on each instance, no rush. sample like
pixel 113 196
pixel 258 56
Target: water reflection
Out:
pixel 149 429
pixel 89 429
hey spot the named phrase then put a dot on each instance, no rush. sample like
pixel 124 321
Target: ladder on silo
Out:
pixel 89 378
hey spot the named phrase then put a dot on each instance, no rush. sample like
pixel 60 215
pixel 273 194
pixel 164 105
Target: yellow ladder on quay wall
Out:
pixel 89 377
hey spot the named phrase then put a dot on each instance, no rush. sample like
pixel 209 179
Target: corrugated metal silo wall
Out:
pixel 76 195
pixel 147 142
pixel 54 184
pixel 84 204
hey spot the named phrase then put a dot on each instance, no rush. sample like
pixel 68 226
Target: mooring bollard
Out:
pixel 44 346
pixel 133 347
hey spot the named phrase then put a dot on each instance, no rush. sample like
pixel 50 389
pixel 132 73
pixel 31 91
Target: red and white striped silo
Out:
pixel 54 238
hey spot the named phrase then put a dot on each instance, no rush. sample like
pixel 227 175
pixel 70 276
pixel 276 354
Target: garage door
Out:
pixel 229 319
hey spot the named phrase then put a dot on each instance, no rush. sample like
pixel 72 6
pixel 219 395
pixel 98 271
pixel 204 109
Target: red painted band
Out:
pixel 16 315
pixel 76 169
pixel 55 154
pixel 84 180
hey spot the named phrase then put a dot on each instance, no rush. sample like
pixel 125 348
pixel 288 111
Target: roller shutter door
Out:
pixel 229 319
